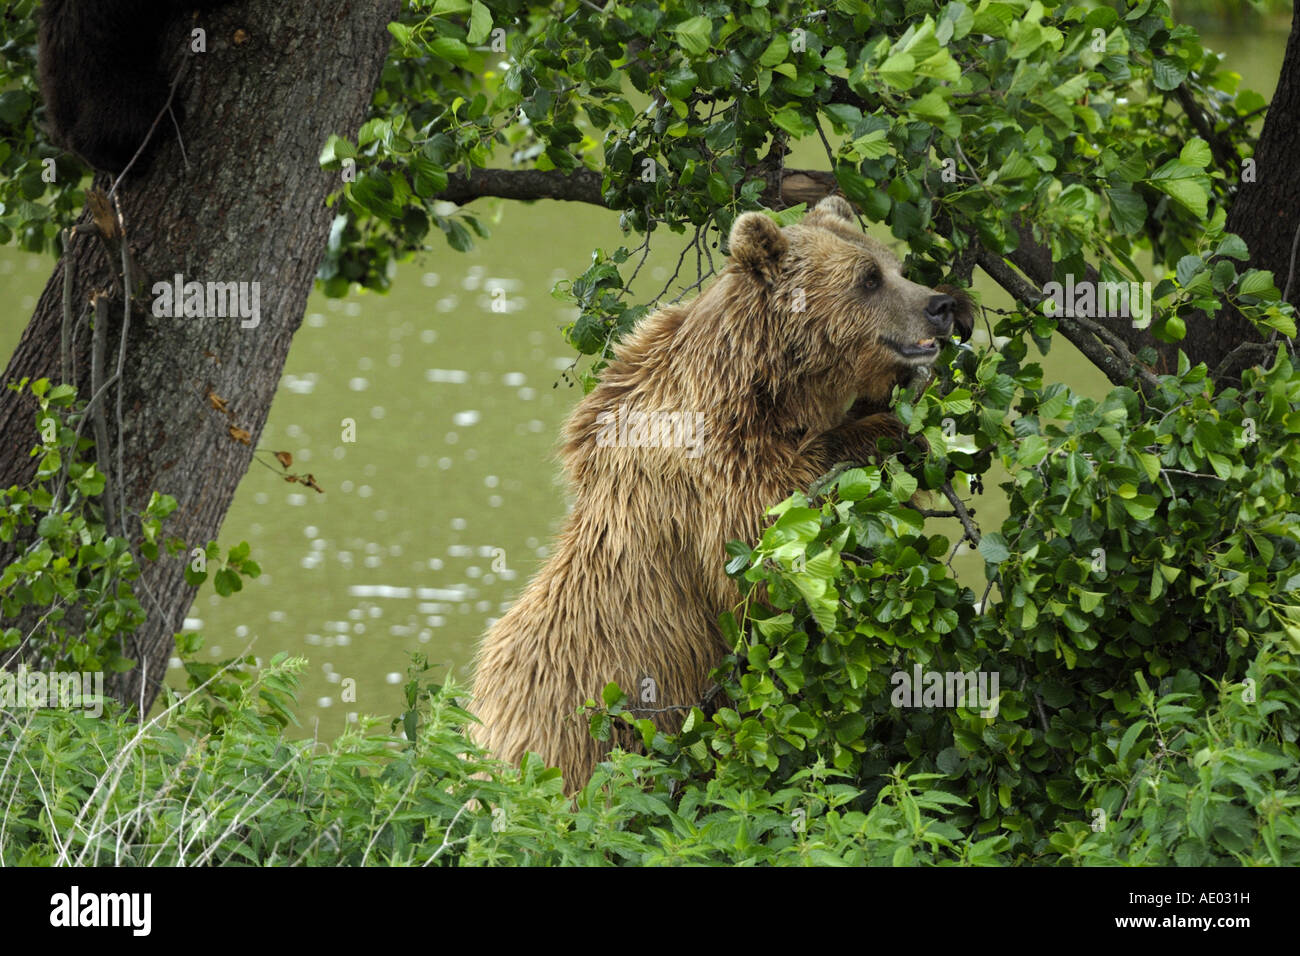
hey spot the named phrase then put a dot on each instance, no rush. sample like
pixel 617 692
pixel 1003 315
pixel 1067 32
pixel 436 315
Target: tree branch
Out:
pixel 962 515
pixel 580 185
pixel 1104 350
pixel 1222 151
pixel 785 187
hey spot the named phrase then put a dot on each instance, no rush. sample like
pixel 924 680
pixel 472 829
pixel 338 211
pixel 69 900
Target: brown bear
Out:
pixel 711 412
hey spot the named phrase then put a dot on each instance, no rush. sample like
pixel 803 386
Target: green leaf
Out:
pixel 1190 193
pixel 994 548
pixel 1282 322
pixel 931 107
pixel 1129 739
pixel 1141 507
pixel 776 51
pixel 611 694
pixel 1033 449
pixel 694 35
pixel 14 105
pixel 1233 246
pixel 843 114
pixel 872 146
pixel 449 48
pixel 336 149
pixel 857 483
pixel 226 582
pixel 1195 153
pixel 1258 282
pixel 1168 74
pixel 899 71
pixel 1128 211
pixel 480 24
pixel 794 123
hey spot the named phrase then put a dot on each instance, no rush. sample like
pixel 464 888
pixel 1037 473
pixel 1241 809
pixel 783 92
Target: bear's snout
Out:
pixel 939 313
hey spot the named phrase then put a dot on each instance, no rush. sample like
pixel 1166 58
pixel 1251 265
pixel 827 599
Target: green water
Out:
pixel 436 516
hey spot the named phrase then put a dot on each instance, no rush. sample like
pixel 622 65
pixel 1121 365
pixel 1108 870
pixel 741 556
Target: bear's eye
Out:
pixel 871 280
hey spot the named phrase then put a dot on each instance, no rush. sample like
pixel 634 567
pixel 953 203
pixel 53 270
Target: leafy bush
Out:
pixel 1149 569
pixel 73 565
pixel 88 791
pixel 75 569
pixel 1146 619
pixel 85 791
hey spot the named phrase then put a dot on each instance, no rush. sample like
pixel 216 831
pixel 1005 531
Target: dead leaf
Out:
pixel 101 211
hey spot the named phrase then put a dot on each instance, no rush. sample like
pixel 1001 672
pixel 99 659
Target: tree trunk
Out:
pixel 275 81
pixel 1265 213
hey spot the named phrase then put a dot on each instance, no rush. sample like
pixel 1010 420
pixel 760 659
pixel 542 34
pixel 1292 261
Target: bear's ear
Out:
pixel 830 208
pixel 757 244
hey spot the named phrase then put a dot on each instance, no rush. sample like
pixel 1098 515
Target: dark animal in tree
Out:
pixel 102 74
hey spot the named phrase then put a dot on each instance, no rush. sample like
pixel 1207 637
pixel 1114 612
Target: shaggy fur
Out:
pixel 636 581
pixel 101 74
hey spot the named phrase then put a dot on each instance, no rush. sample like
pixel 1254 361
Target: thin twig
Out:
pixel 171 94
pixel 984 601
pixel 121 365
pixel 98 422
pixel 65 335
pixel 1290 273
pixel 972 531
pixel 1042 714
pixel 1230 360
pixel 1107 352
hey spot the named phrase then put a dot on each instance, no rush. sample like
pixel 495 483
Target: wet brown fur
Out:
pixel 635 582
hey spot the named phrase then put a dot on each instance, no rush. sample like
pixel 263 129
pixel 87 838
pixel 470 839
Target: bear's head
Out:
pixel 840 307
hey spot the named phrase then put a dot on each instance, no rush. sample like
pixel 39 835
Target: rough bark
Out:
pixel 786 187
pixel 1265 213
pixel 250 207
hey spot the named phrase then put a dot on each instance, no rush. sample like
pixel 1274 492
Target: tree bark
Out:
pixel 250 207
pixel 1265 213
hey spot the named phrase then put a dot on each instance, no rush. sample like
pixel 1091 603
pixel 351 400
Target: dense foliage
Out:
pixel 1144 650
pixel 108 791
pixel 78 570
pixel 1141 610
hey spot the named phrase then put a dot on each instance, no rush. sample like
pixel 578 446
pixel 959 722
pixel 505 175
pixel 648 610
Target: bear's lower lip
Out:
pixel 926 349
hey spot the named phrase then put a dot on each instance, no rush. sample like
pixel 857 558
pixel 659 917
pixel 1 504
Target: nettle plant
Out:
pixel 80 573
